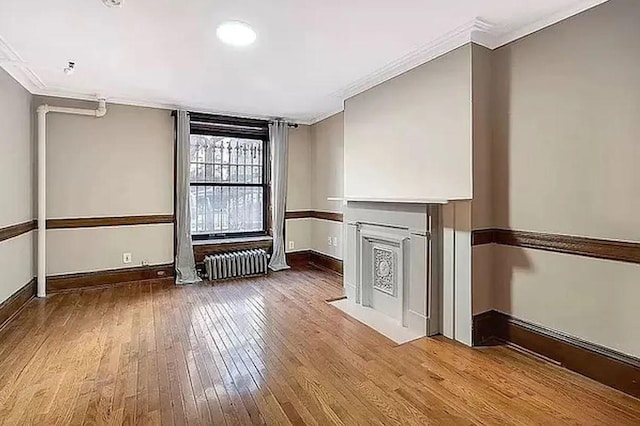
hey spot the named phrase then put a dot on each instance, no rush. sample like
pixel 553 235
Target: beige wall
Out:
pixel 482 204
pixel 299 171
pixel 595 300
pixel 321 230
pixel 16 184
pixel 327 165
pixel 315 174
pixel 483 277
pixel 567 130
pixel 95 249
pixel 298 231
pixel 122 164
pixel 410 137
pixel 566 148
pixel 118 165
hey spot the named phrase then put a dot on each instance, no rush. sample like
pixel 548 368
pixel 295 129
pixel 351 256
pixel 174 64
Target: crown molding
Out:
pixel 327 114
pixel 506 34
pixel 20 71
pixel 17 68
pixel 476 31
pixel 150 103
pixel 452 40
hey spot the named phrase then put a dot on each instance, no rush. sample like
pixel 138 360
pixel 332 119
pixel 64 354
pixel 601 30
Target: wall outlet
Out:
pixel 329 240
pixel 292 245
pixel 335 241
pixel 126 257
pixel 145 263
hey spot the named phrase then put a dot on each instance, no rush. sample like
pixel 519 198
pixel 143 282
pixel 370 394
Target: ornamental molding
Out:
pixel 384 271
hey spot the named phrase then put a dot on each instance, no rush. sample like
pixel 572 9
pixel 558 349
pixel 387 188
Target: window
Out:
pixel 229 188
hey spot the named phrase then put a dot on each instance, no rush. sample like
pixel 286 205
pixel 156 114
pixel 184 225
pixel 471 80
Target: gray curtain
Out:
pixel 185 263
pixel 279 138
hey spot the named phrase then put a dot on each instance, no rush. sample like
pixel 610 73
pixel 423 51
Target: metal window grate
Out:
pixel 228 186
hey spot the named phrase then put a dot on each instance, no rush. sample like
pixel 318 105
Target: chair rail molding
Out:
pixel 621 251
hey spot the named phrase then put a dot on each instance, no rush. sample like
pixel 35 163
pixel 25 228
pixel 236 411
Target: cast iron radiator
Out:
pixel 243 263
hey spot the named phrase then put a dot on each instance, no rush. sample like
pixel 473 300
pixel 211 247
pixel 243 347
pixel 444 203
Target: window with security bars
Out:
pixel 228 186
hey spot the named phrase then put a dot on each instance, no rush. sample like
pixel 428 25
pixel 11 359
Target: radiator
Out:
pixel 243 263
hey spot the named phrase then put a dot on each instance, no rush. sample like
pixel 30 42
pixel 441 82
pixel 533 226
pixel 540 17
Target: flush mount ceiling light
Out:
pixel 113 3
pixel 236 33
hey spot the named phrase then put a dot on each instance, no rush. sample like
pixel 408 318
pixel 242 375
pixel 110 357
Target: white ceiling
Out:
pixel 309 56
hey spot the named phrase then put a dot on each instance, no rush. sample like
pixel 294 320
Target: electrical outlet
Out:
pixel 145 263
pixel 335 241
pixel 329 240
pixel 126 257
pixel 292 245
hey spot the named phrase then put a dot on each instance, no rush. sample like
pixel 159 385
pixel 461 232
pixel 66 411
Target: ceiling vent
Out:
pixel 113 3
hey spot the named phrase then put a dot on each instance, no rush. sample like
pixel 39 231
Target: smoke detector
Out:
pixel 113 3
pixel 70 68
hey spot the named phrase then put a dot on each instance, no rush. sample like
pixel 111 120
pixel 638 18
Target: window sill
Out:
pixel 202 248
pixel 234 240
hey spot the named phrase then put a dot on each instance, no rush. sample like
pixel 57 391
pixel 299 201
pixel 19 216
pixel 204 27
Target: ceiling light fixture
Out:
pixel 236 33
pixel 113 3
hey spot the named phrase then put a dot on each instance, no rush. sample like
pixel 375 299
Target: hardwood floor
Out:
pixel 266 351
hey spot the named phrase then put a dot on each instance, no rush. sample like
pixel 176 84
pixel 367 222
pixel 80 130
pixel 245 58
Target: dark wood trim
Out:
pixel 299 258
pixel 201 250
pixel 10 307
pixel 222 125
pixel 200 117
pixel 306 214
pixel 621 251
pixel 484 329
pixel 314 258
pixel 602 364
pixel 482 236
pixel 299 214
pixel 107 277
pixel 335 217
pixel 17 229
pixel 214 129
pixel 93 222
pixel 591 247
pixel 323 261
pixel 265 185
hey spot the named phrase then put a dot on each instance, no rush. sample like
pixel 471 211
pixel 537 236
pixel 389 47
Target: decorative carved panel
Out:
pixel 384 271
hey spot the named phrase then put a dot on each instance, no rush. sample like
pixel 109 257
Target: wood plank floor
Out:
pixel 266 351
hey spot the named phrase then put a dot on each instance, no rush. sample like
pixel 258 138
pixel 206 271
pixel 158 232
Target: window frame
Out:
pixel 240 133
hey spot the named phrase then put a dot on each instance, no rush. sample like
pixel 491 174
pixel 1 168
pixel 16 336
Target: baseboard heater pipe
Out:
pixel 42 181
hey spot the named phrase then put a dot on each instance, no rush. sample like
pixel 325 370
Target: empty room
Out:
pixel 218 212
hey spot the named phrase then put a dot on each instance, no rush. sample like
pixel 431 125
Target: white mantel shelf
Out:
pixel 391 200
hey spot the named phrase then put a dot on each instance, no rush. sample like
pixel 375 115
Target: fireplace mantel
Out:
pixel 448 223
pixel 388 263
pixel 391 200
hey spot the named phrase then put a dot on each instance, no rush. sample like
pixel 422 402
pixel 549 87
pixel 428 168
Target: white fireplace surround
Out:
pixel 391 269
pixel 447 223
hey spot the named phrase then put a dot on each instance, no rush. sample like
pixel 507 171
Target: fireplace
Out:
pixel 391 274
